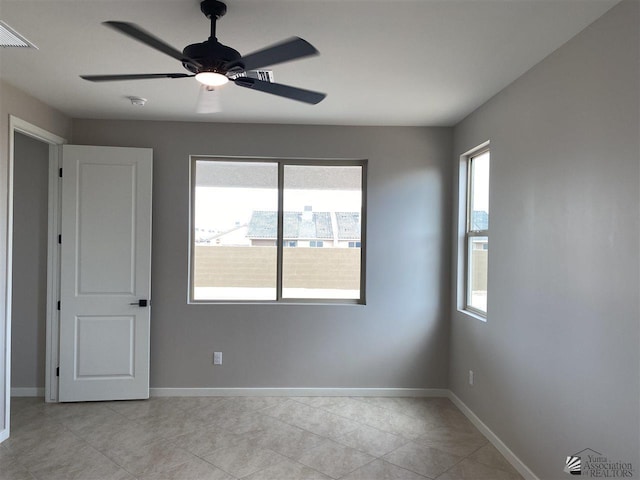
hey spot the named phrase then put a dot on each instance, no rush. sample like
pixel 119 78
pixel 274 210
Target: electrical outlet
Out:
pixel 217 358
pixel 471 377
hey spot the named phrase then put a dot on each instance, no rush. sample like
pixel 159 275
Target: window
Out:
pixel 277 230
pixel 477 232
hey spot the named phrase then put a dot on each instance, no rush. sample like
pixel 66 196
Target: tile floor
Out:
pixel 253 438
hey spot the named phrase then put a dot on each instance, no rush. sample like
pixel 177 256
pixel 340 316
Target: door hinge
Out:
pixel 58 304
pixel 57 371
pixel 60 239
pixel 60 173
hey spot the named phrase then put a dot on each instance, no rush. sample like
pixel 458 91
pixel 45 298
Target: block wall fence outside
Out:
pixel 331 268
pixel 480 261
pixel 217 266
pixel 228 266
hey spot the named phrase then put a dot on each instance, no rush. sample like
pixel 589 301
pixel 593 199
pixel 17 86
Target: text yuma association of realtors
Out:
pixel 601 467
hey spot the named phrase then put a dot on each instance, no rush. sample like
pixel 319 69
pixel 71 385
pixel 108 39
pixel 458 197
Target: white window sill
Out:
pixel 473 315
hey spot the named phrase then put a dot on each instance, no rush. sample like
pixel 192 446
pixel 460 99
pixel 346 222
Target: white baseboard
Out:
pixel 299 392
pixel 493 438
pixel 27 392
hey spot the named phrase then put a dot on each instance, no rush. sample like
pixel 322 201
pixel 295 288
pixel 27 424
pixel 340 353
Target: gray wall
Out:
pixel 16 102
pixel 399 339
pixel 557 362
pixel 29 295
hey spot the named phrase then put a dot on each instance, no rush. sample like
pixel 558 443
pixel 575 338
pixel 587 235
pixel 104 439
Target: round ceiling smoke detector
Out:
pixel 139 101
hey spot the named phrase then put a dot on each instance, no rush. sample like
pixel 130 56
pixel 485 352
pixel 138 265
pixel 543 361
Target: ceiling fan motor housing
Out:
pixel 212 55
pixel 213 8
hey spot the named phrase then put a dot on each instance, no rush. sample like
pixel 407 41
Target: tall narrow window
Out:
pixel 272 230
pixel 477 232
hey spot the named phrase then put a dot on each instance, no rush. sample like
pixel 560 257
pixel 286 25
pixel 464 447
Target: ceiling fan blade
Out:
pixel 290 49
pixel 208 100
pixel 134 31
pixel 294 93
pixel 141 76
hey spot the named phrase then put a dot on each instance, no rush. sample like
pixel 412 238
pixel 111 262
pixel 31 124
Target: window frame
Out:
pixel 469 233
pixel 282 163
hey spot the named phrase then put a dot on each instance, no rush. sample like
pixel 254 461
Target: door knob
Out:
pixel 141 303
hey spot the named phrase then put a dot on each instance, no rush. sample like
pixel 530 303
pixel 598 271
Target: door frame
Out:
pixel 55 143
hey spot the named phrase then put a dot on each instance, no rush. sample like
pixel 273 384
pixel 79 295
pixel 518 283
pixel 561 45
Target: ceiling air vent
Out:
pixel 10 38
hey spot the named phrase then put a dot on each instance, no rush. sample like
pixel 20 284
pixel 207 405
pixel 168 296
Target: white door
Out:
pixel 105 282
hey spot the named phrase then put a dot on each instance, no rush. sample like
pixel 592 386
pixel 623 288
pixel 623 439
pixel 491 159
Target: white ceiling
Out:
pixel 382 62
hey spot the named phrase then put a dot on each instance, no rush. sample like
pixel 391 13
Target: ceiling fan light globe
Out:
pixel 211 79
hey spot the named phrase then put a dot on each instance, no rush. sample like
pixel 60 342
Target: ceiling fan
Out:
pixel 214 64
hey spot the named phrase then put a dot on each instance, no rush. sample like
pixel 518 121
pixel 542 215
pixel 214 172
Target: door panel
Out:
pixel 105 269
pixel 105 347
pixel 107 247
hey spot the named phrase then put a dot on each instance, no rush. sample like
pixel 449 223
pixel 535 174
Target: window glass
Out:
pixel 479 204
pixel 322 208
pixel 478 255
pixel 235 229
pixel 241 252
pixel 477 237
